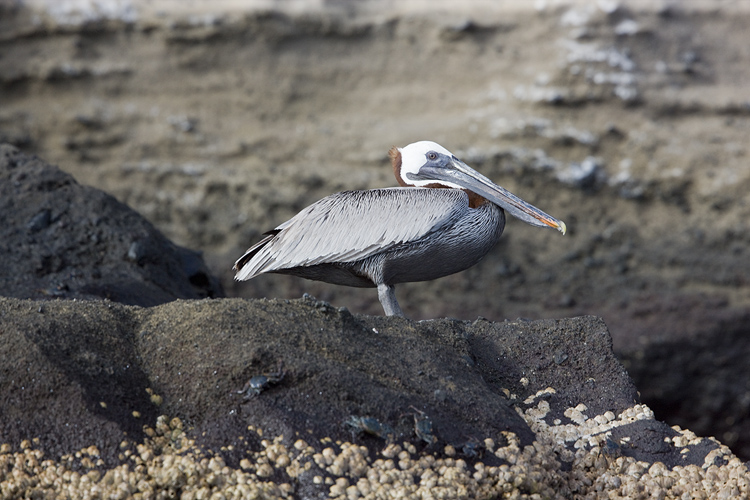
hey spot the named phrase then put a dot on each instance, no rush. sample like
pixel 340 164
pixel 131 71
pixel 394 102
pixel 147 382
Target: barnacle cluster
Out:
pixel 169 464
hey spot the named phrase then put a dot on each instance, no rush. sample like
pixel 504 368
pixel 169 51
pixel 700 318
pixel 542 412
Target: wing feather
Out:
pixel 352 225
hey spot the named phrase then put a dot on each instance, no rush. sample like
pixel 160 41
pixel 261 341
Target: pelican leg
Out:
pixel 387 296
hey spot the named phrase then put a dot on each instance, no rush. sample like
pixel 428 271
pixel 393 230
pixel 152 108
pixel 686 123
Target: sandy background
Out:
pixel 628 120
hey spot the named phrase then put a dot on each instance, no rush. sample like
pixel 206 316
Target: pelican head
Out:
pixel 429 165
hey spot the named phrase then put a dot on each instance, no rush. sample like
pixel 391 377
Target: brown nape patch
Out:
pixel 395 155
pixel 475 201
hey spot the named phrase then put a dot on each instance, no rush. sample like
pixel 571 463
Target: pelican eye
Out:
pixel 432 156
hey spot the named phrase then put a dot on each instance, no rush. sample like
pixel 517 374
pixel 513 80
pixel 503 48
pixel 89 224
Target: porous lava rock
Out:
pixel 60 239
pixel 150 399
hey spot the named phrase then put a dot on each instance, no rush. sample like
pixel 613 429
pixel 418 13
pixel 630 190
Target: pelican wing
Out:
pixel 352 225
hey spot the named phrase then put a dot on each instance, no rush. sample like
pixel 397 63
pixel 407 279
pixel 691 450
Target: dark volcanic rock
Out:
pixel 547 397
pixel 61 239
pixel 702 371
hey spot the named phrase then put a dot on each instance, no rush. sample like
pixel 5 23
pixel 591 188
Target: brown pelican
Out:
pixel 444 219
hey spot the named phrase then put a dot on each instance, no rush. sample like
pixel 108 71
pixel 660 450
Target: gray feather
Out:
pixel 353 225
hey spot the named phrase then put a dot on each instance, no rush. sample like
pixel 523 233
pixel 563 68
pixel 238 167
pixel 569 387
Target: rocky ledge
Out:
pixel 298 399
pixel 156 396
